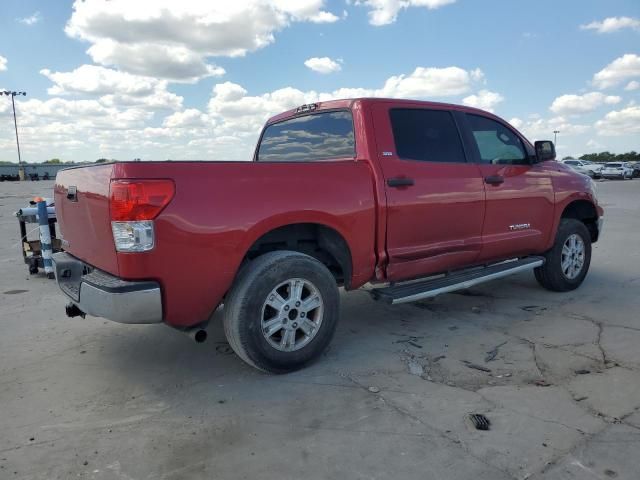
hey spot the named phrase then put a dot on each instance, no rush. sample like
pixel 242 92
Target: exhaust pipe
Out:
pixel 197 334
pixel 72 310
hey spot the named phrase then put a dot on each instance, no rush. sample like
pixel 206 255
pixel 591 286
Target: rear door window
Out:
pixel 426 135
pixel 320 136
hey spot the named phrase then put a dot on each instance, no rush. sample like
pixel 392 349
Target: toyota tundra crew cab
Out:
pixel 413 198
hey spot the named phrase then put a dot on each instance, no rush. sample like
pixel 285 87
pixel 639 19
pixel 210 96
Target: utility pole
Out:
pixel 15 124
pixel 555 137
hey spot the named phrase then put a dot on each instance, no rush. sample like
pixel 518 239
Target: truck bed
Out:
pixel 219 210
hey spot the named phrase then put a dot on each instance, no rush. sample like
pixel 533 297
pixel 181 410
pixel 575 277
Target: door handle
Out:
pixel 494 179
pixel 399 182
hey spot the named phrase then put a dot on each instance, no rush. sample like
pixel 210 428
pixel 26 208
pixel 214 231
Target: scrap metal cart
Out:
pixel 31 249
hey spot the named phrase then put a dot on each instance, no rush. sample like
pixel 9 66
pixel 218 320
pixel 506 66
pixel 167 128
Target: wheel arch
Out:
pixel 586 212
pixel 323 242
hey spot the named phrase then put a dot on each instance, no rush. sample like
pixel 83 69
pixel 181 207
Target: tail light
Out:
pixel 139 199
pixel 133 205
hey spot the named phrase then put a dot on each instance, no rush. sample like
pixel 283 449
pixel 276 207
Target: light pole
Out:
pixel 555 136
pixel 15 124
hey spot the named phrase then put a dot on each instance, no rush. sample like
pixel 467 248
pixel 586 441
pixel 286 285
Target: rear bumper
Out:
pixel 100 294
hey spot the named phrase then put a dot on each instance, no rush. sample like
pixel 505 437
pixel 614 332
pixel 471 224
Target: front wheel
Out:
pixel 567 263
pixel 282 311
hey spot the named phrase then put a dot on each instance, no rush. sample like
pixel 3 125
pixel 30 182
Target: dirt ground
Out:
pixel 88 398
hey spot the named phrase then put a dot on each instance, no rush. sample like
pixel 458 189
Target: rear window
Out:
pixel 320 136
pixel 426 135
pixel 614 165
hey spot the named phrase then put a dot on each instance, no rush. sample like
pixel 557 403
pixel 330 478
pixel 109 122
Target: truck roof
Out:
pixel 348 103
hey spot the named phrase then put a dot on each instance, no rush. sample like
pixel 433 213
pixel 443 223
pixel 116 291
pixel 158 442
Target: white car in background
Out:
pixel 595 167
pixel 587 168
pixel 617 170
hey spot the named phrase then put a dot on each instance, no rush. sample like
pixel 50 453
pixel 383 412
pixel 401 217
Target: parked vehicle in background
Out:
pixel 636 169
pixel 595 167
pixel 620 170
pixel 419 198
pixel 584 167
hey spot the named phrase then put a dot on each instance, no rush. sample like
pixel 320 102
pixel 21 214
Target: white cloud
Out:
pixel 323 17
pixel 174 63
pixel 620 122
pixel 191 117
pixel 613 24
pixel 477 75
pixel 383 12
pixel 98 80
pixel 594 145
pixel 621 69
pixel 484 99
pixel 542 129
pixel 87 113
pixel 3 63
pixel 517 123
pixel 632 85
pixel 322 65
pixel 175 40
pixel 160 99
pixel 430 82
pixel 31 20
pixel 577 104
pixel 74 129
pixel 117 88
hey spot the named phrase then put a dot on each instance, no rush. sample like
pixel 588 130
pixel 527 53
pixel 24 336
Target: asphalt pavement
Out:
pixel 559 382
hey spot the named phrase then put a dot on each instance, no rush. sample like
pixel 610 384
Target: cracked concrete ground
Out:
pixel 94 399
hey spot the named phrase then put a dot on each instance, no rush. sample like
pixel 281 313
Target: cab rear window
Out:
pixel 319 136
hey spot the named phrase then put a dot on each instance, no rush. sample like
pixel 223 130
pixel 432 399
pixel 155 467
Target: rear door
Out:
pixel 519 193
pixel 435 197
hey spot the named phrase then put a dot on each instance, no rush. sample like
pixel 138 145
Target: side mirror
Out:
pixel 545 150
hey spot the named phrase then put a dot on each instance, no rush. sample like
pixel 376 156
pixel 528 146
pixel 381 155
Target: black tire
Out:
pixel 243 310
pixel 550 275
pixel 33 266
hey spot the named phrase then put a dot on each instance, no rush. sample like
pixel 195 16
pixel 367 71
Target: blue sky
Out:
pixel 153 82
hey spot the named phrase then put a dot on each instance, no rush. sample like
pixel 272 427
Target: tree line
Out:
pixel 604 157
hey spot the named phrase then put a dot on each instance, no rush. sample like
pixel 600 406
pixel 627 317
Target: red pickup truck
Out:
pixel 416 198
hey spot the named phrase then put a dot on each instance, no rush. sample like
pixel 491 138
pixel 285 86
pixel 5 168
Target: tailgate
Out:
pixel 84 218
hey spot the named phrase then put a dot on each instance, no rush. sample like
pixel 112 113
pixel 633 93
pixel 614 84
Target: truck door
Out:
pixel 435 197
pixel 519 194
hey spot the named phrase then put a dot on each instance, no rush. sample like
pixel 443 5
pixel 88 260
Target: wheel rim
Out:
pixel 292 314
pixel 573 254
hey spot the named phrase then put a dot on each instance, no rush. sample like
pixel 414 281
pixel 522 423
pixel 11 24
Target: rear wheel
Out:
pixel 567 263
pixel 282 311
